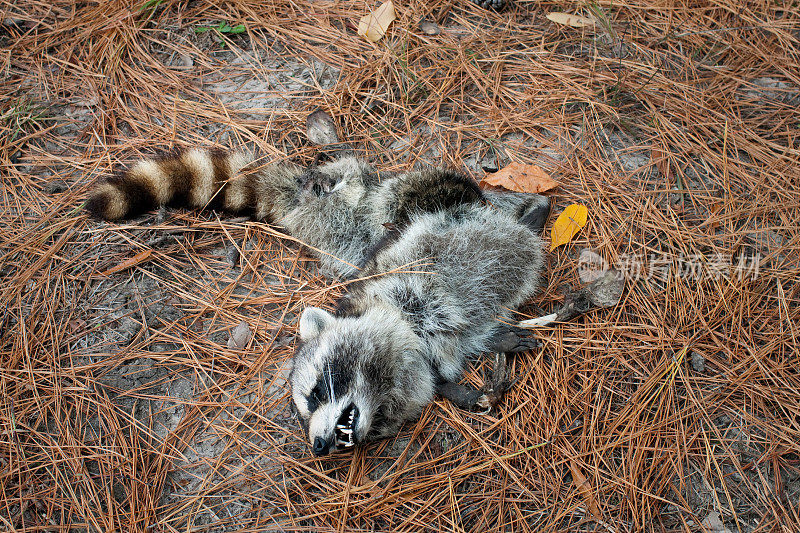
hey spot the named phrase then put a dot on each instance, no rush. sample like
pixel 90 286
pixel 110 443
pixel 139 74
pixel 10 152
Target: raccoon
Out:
pixel 437 267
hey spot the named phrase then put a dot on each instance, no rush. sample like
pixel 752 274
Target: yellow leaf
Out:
pixel 520 178
pixel 567 19
pixel 374 25
pixel 568 224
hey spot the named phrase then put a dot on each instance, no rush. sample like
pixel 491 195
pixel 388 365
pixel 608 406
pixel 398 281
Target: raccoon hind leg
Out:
pixel 531 210
pixel 512 339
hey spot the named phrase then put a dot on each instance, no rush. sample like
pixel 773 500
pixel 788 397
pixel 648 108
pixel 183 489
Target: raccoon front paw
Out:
pixel 461 396
pixel 483 400
pixel 496 5
pixel 314 184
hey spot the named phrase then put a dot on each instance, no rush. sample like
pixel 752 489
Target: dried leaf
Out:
pixel 141 257
pixel 240 336
pixel 585 489
pixel 661 161
pixel 568 19
pixel 374 25
pixel 568 224
pixel 714 209
pixel 76 325
pixel 713 524
pixel 520 178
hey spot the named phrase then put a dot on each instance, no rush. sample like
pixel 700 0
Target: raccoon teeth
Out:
pixel 346 431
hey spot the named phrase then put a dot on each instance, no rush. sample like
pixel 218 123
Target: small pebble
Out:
pixel 55 187
pixel 429 28
pixel 320 128
pixel 698 362
pixel 496 5
pixel 240 336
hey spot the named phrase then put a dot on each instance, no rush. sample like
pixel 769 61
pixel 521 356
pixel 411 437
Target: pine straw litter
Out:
pixel 122 408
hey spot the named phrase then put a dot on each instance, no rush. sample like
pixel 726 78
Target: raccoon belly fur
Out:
pixel 437 264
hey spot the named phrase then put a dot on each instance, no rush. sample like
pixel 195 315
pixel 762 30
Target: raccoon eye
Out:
pixel 316 397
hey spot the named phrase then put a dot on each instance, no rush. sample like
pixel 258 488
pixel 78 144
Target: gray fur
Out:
pixel 435 294
pixel 438 266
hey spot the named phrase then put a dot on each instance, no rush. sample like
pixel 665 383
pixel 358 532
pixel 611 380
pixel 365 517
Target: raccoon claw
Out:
pixel 485 403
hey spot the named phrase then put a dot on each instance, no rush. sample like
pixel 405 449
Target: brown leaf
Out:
pixel 661 161
pixel 141 257
pixel 240 336
pixel 520 177
pixel 76 325
pixel 567 19
pixel 585 489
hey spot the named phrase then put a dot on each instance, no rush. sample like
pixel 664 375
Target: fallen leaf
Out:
pixel 568 19
pixel 240 336
pixel 713 524
pixel 76 325
pixel 374 26
pixel 585 489
pixel 141 257
pixel 568 224
pixel 661 161
pixel 519 177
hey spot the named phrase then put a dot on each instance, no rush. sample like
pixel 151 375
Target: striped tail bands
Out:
pixel 194 177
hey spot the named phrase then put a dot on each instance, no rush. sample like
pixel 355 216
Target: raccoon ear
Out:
pixel 313 321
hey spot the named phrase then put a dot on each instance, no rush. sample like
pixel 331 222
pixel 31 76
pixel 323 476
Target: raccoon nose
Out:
pixel 321 446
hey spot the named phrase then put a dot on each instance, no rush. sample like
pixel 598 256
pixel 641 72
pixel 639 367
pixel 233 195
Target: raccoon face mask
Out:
pixel 348 385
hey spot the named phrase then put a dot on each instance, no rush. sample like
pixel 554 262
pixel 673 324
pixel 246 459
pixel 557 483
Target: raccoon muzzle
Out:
pixel 321 447
pixel 193 178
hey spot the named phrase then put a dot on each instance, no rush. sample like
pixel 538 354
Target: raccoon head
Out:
pixel 355 379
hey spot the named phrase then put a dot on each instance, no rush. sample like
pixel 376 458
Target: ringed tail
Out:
pixel 195 177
